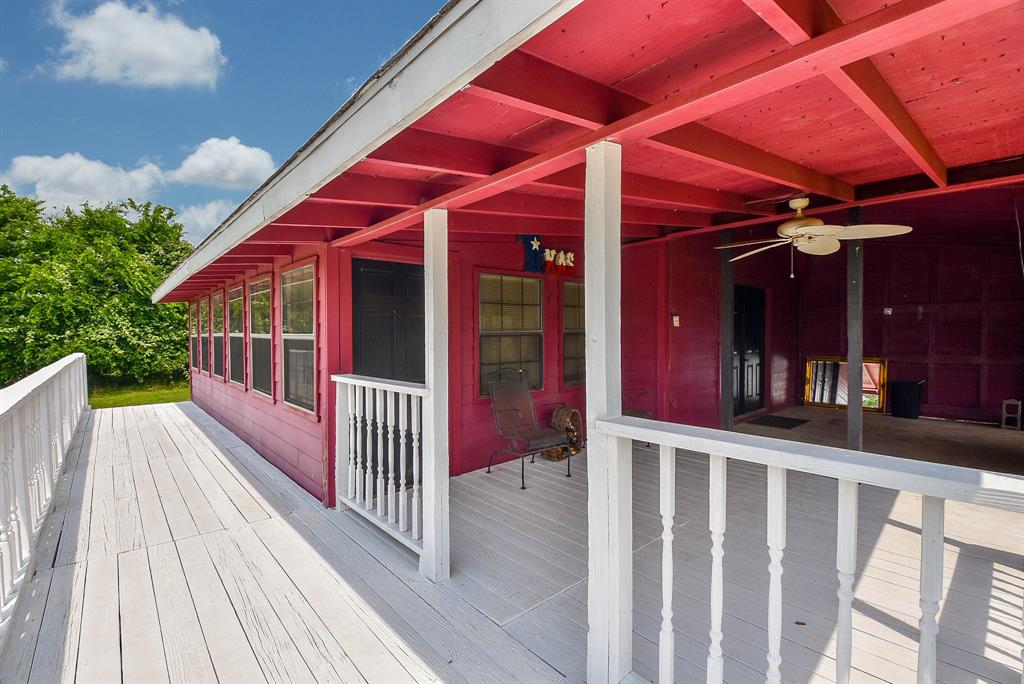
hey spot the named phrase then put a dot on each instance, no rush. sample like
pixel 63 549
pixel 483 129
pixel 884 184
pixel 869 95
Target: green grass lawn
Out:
pixel 109 397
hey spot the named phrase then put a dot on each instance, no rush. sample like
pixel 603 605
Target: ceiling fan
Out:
pixel 811 235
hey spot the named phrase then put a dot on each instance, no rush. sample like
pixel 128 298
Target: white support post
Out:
pixel 932 550
pixel 343 460
pixel 846 567
pixel 609 459
pixel 434 561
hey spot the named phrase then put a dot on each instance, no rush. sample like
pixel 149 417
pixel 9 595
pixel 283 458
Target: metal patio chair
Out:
pixel 516 420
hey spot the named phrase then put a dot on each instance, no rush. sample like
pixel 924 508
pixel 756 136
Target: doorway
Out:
pixel 388 323
pixel 748 350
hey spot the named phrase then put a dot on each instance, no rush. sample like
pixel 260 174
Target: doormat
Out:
pixel 778 422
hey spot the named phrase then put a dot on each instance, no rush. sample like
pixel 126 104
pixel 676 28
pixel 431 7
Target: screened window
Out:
pixel 217 311
pixel 574 360
pixel 204 334
pixel 261 359
pixel 193 324
pixel 297 334
pixel 510 327
pixel 236 337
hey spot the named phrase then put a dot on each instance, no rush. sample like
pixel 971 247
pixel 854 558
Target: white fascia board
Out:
pixel 469 38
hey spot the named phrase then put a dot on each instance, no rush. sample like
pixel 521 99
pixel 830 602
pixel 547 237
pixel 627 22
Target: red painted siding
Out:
pixel 957 320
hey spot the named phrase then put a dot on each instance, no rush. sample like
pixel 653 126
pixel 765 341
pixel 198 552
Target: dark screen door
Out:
pixel 748 350
pixel 387 313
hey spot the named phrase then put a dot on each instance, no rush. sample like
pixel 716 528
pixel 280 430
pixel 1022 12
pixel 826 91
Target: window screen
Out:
pixel 511 335
pixel 574 360
pixel 193 324
pixel 261 359
pixel 236 337
pixel 217 311
pixel 297 335
pixel 204 334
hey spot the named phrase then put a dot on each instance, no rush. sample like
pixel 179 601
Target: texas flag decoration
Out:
pixel 537 259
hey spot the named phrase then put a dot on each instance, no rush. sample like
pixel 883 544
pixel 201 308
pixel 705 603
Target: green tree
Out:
pixel 81 281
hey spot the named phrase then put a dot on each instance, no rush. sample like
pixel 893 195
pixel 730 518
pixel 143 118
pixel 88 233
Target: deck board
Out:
pixel 175 553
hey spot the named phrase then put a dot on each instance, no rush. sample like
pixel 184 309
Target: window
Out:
pixel 236 339
pixel 204 334
pixel 510 327
pixel 297 336
pixel 574 344
pixel 261 359
pixel 218 334
pixel 193 324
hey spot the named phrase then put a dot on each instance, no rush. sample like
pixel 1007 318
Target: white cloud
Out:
pixel 200 219
pixel 71 179
pixel 136 46
pixel 225 164
pixel 3 65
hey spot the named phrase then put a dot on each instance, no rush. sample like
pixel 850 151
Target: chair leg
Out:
pixel 522 464
pixel 491 459
pixel 568 464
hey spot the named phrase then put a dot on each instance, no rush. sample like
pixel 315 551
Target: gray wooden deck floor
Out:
pixel 176 554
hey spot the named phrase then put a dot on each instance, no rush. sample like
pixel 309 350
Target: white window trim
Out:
pixel 213 334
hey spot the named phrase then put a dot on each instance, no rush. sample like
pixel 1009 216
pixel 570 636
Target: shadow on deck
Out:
pixel 176 553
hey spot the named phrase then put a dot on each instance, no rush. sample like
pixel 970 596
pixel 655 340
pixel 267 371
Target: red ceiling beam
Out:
pixel 244 260
pixel 440 153
pixel 529 83
pixel 260 250
pixel 462 222
pixel 888 27
pixel 800 20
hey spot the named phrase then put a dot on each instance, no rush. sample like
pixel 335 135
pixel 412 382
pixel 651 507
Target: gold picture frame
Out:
pixel 824 379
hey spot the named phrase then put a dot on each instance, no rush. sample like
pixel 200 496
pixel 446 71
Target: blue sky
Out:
pixel 190 103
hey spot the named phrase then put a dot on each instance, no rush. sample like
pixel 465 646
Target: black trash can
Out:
pixel 906 399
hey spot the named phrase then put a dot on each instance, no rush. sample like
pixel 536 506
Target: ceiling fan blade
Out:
pixel 759 249
pixel 747 243
pixel 826 230
pixel 819 246
pixel 865 231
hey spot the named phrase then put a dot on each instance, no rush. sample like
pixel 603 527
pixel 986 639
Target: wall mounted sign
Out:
pixel 539 259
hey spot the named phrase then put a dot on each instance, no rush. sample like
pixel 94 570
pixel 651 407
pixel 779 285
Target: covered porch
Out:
pixel 174 552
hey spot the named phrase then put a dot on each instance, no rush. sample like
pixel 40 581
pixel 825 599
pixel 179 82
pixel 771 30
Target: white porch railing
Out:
pixel 38 419
pixel 935 482
pixel 380 453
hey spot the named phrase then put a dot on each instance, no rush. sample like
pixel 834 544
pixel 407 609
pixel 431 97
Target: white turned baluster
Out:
pixel 416 455
pixel 716 523
pixel 368 477
pixel 776 545
pixel 392 457
pixel 846 567
pixel 7 564
pixel 350 414
pixel 932 549
pixel 360 454
pixel 381 459
pixel 403 435
pixel 666 638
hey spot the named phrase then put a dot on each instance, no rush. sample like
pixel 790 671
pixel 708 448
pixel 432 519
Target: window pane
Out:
pixel 218 314
pixel 259 308
pixel 261 366
pixel 573 337
pixel 236 358
pixel 297 301
pixel 490 316
pixel 511 351
pixel 218 355
pixel 299 372
pixel 204 352
pixel 195 351
pixel 236 310
pixel 204 316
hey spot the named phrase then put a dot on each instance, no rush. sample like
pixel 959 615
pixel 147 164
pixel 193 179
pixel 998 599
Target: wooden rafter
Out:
pixel 800 20
pixel 532 84
pixel 894 25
